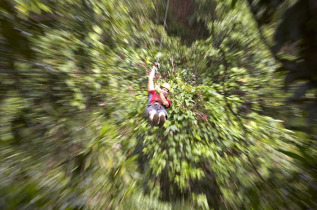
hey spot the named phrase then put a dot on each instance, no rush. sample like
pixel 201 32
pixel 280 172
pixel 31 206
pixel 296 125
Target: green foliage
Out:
pixel 73 92
pixel 204 143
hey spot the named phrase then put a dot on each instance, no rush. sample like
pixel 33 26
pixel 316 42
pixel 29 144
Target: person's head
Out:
pixel 165 87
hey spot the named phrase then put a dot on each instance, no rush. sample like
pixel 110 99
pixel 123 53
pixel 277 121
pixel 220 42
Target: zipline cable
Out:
pixel 164 25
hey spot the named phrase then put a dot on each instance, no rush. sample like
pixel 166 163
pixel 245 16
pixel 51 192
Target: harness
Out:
pixel 156 103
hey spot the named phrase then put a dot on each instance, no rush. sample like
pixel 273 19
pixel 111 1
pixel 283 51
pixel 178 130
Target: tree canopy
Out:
pixel 241 131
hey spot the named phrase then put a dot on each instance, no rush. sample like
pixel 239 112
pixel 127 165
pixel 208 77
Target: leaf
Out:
pixel 227 143
pixel 44 7
pixel 293 155
pixel 197 137
pixel 233 3
pixel 173 128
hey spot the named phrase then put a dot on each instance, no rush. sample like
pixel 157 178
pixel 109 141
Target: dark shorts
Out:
pixel 158 108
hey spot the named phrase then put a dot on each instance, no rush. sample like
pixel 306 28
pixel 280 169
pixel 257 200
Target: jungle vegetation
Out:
pixel 241 132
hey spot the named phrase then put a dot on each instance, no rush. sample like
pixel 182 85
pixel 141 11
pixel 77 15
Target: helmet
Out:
pixel 167 86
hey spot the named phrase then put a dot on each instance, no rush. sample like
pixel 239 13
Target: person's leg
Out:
pixel 162 117
pixel 151 113
pixel 155 119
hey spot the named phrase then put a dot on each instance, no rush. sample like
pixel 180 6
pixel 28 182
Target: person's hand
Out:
pixel 158 89
pixel 157 65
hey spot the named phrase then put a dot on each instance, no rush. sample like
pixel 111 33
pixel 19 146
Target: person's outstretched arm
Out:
pixel 151 77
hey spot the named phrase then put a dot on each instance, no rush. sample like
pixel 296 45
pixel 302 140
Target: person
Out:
pixel 157 100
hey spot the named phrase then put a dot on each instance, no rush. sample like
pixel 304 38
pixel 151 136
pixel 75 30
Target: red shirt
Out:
pixel 154 97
